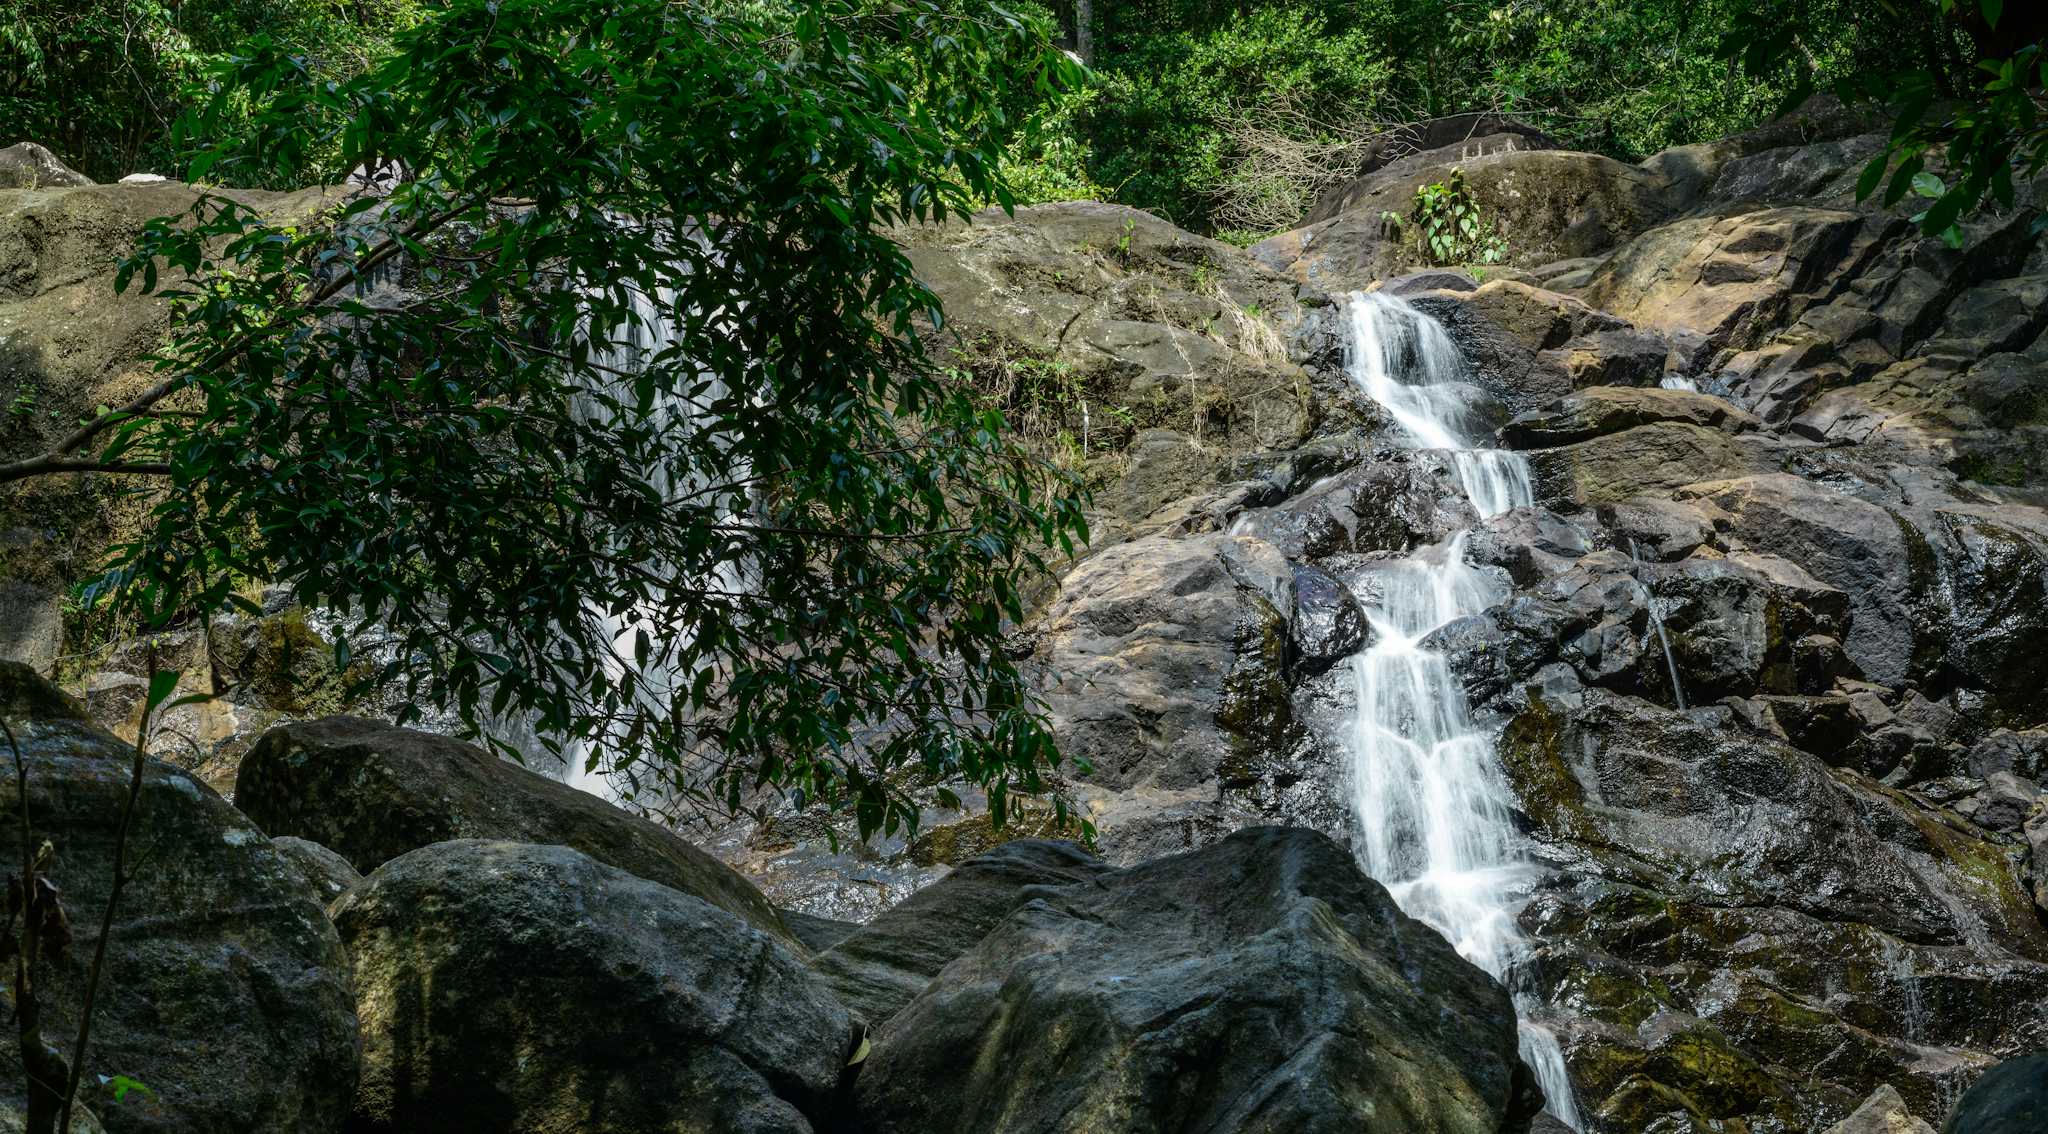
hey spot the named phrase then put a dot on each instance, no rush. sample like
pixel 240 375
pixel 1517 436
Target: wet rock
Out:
pixel 1850 544
pixel 326 873
pixel 1328 622
pixel 2011 1098
pixel 2004 803
pixel 817 933
pixel 2003 750
pixel 1732 623
pixel 371 792
pixel 1884 1112
pixel 226 989
pixel 881 966
pixel 527 988
pixel 1255 984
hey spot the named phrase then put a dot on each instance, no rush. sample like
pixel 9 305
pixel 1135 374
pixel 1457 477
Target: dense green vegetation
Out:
pixel 103 82
pixel 1224 115
pixel 776 546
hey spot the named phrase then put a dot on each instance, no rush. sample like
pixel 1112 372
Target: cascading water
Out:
pixel 654 326
pixel 1434 811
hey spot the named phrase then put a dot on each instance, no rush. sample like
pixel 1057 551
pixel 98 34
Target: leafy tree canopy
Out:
pixel 609 407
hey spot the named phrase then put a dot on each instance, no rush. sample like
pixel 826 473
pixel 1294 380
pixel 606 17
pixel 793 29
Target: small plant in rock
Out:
pixel 1448 225
pixel 1123 241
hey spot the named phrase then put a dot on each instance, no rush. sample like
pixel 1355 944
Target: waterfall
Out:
pixel 655 325
pixel 1434 810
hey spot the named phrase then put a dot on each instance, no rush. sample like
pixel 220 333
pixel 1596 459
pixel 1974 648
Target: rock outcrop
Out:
pixel 370 792
pixel 1263 983
pixel 531 989
pixel 226 991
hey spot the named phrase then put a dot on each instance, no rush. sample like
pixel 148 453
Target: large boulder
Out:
pixel 879 967
pixel 1169 661
pixel 1261 984
pixel 27 165
pixel 1548 205
pixel 226 989
pixel 370 792
pixel 2011 1098
pixel 532 989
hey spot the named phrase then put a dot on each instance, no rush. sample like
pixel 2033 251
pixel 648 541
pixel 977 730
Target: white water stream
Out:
pixel 1434 809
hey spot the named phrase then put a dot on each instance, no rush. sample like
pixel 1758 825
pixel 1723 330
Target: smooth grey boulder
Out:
pixel 1262 983
pixel 370 792
pixel 883 965
pixel 226 989
pixel 526 989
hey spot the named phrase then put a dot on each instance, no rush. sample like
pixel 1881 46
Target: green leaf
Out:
pixel 1928 185
pixel 162 684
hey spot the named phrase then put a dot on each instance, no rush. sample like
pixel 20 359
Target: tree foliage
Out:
pixel 102 81
pixel 1970 115
pixel 612 410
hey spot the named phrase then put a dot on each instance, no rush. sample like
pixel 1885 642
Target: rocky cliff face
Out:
pixel 1799 437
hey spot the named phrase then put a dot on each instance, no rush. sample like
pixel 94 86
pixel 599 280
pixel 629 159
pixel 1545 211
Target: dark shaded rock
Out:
pixel 885 964
pixel 2011 1098
pixel 1733 624
pixel 1748 935
pixel 1328 622
pixel 817 933
pixel 518 988
pixel 1263 983
pixel 2003 750
pixel 226 989
pixel 327 874
pixel 371 792
pixel 2004 803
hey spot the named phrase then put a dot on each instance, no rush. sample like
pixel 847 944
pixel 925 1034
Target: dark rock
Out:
pixel 1328 625
pixel 327 874
pixel 371 792
pixel 883 965
pixel 818 933
pixel 2003 750
pixel 2004 803
pixel 1258 984
pixel 518 988
pixel 226 989
pixel 2011 1098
